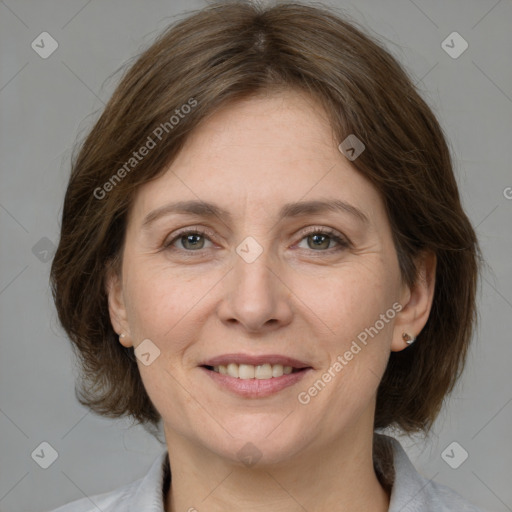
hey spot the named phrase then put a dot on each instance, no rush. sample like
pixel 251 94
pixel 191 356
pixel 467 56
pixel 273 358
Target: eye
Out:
pixel 319 239
pixel 190 240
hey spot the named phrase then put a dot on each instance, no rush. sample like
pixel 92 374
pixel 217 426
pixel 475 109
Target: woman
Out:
pixel 263 248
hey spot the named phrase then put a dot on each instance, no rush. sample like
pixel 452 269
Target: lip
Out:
pixel 255 388
pixel 255 360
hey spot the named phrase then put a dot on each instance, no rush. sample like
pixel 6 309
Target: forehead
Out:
pixel 287 124
pixel 263 151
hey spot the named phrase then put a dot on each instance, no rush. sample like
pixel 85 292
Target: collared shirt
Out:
pixel 410 492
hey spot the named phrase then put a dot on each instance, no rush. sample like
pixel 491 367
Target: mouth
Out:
pixel 252 376
pixel 246 366
pixel 249 371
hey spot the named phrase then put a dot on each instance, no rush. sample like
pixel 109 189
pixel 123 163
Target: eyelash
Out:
pixel 342 242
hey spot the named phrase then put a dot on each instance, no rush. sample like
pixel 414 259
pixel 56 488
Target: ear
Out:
pixel 116 305
pixel 416 301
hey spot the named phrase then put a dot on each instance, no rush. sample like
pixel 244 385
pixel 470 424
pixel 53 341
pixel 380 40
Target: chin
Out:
pixel 260 441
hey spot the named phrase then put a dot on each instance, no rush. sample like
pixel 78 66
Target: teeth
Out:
pixel 232 370
pixel 245 371
pixel 249 371
pixel 277 370
pixel 263 371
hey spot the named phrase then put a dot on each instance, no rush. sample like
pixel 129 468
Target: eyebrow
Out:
pixel 289 210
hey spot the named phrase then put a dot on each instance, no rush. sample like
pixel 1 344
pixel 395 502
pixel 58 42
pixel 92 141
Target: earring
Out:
pixel 408 338
pixel 122 335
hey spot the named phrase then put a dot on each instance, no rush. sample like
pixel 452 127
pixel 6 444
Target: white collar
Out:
pixel 410 492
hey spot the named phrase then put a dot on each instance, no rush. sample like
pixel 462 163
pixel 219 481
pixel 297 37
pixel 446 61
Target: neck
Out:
pixel 335 476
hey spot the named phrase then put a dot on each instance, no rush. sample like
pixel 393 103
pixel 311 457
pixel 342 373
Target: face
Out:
pixel 261 282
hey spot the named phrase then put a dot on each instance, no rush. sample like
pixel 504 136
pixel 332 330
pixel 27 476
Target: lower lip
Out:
pixel 256 388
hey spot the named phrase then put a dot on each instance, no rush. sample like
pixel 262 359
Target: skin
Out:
pixel 295 299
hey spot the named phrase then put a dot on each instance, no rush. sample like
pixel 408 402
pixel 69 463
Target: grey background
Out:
pixel 45 104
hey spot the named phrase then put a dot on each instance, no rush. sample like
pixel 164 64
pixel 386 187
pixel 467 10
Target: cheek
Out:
pixel 161 300
pixel 349 300
pixel 147 305
pixel 357 312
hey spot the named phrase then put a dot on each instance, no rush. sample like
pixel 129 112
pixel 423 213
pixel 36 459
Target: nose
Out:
pixel 256 295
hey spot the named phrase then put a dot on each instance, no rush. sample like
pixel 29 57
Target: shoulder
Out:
pixel 146 493
pixel 411 492
pixel 118 500
pixel 444 499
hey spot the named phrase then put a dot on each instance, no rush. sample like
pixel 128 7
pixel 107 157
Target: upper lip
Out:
pixel 255 360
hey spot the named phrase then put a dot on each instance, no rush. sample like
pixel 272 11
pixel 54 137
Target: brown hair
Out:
pixel 230 51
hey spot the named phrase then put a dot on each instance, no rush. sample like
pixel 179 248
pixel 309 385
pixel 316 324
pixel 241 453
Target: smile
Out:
pixel 261 386
pixel 249 371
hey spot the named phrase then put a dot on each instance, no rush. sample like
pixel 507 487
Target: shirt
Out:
pixel 410 492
